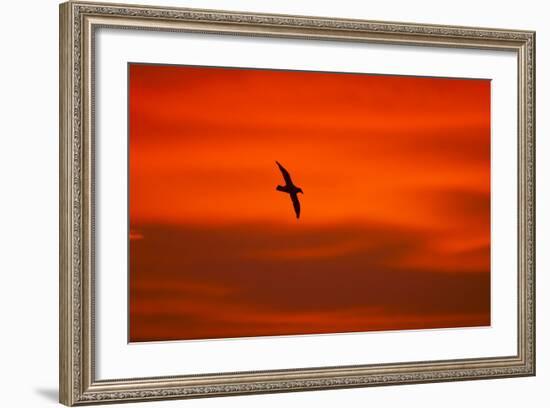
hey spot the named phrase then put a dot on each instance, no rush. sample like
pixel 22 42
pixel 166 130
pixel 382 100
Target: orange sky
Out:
pixel 395 224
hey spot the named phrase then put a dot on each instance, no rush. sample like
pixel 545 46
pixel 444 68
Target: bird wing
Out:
pixel 296 204
pixel 286 176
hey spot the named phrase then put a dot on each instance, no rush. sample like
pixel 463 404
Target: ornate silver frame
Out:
pixel 78 22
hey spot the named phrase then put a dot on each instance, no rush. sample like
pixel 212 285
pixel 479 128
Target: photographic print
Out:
pixel 274 202
pixel 257 203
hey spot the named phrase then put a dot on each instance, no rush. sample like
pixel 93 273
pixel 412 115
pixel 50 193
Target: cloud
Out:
pixel 259 279
pixel 135 235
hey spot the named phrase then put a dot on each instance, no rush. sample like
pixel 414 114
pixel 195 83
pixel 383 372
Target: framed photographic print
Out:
pixel 256 203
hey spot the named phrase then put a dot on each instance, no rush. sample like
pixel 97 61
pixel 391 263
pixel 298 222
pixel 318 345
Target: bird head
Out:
pixel 299 191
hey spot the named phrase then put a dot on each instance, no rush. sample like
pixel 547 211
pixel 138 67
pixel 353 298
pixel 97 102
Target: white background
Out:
pixel 28 206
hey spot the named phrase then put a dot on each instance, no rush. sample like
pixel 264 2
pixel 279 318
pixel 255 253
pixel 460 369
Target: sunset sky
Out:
pixel 395 225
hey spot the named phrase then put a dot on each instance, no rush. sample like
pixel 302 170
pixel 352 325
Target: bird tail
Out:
pixel 281 188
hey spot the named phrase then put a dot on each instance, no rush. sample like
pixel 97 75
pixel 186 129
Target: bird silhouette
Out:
pixel 290 189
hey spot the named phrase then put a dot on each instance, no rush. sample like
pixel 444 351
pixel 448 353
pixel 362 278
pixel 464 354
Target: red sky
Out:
pixel 395 224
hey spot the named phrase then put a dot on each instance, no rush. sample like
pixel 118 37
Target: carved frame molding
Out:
pixel 78 21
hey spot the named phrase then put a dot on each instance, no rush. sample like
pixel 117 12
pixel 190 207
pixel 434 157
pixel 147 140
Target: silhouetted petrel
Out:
pixel 291 189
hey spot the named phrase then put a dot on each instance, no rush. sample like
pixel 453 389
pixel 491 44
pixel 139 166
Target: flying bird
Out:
pixel 290 189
